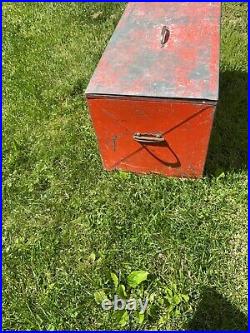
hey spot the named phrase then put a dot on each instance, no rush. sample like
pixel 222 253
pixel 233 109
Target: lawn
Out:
pixel 67 224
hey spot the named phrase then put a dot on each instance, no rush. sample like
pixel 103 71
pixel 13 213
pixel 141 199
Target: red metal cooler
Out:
pixel 153 95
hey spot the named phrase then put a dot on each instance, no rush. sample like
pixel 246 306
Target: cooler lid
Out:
pixel 168 50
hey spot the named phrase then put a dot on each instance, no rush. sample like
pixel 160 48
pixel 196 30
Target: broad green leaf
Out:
pixel 185 298
pixel 140 318
pixel 124 319
pixel 118 315
pixel 114 279
pixel 176 299
pixel 121 291
pixel 136 277
pixel 99 296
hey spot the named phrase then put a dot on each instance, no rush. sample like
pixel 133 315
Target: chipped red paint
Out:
pixel 142 86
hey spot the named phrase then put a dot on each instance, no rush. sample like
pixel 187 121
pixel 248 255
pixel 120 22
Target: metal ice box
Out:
pixel 153 95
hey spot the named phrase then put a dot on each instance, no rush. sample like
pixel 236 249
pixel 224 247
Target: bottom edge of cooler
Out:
pixel 154 173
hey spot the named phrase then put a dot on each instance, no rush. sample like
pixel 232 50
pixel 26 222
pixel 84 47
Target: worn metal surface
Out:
pixel 153 95
pixel 185 128
pixel 137 62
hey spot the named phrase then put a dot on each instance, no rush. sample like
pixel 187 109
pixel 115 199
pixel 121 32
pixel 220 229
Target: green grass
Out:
pixel 60 206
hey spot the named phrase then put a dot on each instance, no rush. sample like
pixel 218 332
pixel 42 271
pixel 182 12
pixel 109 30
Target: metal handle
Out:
pixel 148 137
pixel 165 33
